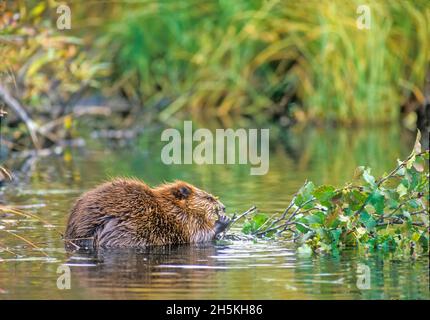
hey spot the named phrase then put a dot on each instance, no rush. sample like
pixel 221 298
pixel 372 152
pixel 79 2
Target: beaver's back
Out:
pixel 109 211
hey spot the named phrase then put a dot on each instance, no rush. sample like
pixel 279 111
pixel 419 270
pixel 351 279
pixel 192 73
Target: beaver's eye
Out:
pixel 210 198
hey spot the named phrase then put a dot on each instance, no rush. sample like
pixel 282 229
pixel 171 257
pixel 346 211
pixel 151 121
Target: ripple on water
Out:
pixel 239 270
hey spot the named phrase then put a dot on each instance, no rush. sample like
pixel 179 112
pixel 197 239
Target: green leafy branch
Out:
pixel 389 213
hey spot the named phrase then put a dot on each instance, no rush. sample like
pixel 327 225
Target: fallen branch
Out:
pixel 22 114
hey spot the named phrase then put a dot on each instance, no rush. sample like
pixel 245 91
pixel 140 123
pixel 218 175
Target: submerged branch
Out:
pixel 26 241
pixel 3 248
pixel 15 211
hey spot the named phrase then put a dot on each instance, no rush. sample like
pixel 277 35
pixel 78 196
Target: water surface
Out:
pixel 47 187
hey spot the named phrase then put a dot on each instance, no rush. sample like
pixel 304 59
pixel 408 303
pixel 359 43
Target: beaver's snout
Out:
pixel 220 210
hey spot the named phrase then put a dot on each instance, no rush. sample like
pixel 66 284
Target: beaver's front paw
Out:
pixel 221 224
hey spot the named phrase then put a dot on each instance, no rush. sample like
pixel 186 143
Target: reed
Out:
pixel 10 210
pixel 307 59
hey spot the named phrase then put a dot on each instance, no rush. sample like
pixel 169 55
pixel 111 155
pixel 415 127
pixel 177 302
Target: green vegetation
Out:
pixel 303 61
pixel 241 62
pixel 43 73
pixel 388 214
pixel 43 67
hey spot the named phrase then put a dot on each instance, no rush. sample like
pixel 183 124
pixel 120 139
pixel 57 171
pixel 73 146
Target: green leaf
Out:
pixel 367 220
pixel 336 235
pixel 402 190
pixel 369 178
pixel 413 178
pixel 356 199
pixel 247 228
pixel 324 194
pixel 304 195
pixel 406 214
pixel 257 221
pixel 308 235
pixel 414 203
pixel 410 162
pixel 400 172
pixel 316 218
pixel 392 198
pixel 424 240
pixel 377 199
pixel 302 227
pixel 418 166
pixel 334 224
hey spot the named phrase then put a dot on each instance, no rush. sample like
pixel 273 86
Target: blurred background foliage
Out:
pixel 268 60
pixel 236 62
pixel 43 67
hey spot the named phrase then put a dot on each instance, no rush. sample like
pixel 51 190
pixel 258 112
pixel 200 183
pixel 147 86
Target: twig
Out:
pixel 288 222
pixel 5 173
pixel 72 243
pixel 20 111
pixel 381 181
pixel 400 221
pixel 26 241
pixel 250 210
pixel 400 166
pixel 284 214
pixel 27 215
pixel 235 219
pixel 7 249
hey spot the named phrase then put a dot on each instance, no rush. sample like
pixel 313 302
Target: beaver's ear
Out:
pixel 181 192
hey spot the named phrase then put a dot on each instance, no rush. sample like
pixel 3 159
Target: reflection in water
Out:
pixel 240 270
pixel 144 273
pixel 48 186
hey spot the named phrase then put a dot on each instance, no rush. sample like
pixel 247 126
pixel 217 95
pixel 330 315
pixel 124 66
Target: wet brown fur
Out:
pixel 128 213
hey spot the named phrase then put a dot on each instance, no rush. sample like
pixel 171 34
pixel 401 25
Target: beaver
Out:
pixel 129 213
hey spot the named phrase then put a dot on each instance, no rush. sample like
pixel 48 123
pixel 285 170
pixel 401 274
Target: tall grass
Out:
pixel 257 58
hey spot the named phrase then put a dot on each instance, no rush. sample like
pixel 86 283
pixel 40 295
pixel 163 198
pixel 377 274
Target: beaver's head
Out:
pixel 197 204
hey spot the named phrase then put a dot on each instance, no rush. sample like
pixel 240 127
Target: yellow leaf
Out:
pixel 417 146
pixel 68 122
pixel 37 10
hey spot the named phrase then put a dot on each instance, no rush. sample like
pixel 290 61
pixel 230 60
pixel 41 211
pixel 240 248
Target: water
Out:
pixel 48 186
